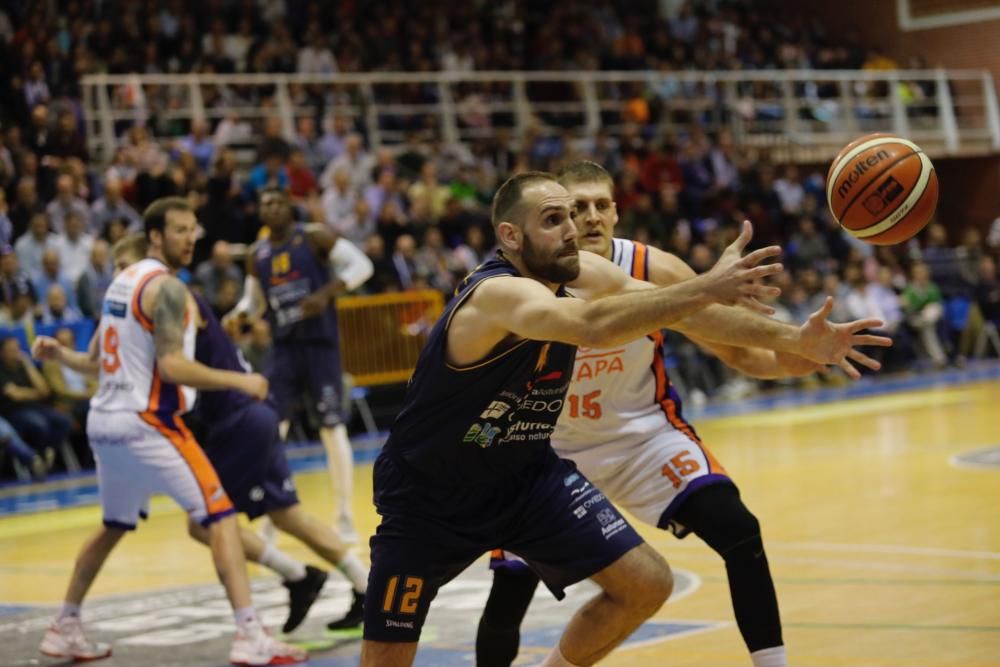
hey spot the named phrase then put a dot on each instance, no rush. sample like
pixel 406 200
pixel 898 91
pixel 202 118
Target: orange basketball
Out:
pixel 882 189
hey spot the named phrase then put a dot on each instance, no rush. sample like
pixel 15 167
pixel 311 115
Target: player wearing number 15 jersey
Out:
pixel 623 426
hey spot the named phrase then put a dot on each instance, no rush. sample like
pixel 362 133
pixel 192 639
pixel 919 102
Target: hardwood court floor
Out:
pixel 883 552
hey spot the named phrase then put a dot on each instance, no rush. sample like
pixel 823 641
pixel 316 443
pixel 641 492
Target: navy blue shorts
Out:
pixel 312 369
pixel 557 521
pixel 246 449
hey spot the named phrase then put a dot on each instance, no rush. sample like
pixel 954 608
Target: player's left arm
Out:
pixel 46 348
pixel 764 348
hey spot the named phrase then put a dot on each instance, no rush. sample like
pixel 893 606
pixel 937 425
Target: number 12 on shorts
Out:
pixel 409 596
pixel 680 466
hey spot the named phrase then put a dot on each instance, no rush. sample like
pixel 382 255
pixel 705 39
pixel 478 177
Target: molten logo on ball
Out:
pixel 860 168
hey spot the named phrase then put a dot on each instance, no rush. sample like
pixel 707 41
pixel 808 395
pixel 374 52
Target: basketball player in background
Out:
pixel 288 279
pixel 623 427
pixel 145 347
pixel 242 442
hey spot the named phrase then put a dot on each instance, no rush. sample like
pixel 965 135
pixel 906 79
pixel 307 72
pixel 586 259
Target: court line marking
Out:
pixel 893 549
pixel 956 461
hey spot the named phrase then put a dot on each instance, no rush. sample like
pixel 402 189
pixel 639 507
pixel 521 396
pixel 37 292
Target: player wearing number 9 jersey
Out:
pixel 624 428
pixel 143 353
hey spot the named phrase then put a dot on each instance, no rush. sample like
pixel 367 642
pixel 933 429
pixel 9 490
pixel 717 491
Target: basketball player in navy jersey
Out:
pixel 627 447
pixel 288 279
pixel 468 466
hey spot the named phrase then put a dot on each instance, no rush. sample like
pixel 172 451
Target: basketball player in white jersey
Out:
pixel 622 425
pixel 145 348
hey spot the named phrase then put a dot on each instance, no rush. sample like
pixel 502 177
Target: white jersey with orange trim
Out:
pixel 619 397
pixel 129 378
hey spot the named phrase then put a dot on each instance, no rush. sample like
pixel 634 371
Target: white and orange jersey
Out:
pixel 129 379
pixel 622 396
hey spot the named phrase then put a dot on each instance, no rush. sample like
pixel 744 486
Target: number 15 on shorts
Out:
pixel 680 466
pixel 402 600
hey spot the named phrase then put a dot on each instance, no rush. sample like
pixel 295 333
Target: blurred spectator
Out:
pixel 404 262
pixel 808 248
pixel 211 273
pixel 53 274
pixel 924 308
pixel 66 201
pixel 73 247
pixel 70 389
pixel 22 390
pixel 988 290
pixel 338 200
pixel 258 345
pixel 301 182
pixel 316 57
pixel 271 172
pixel 11 441
pixel 57 311
pixel 429 192
pixel 36 88
pixel 226 296
pixel 307 141
pixel 199 144
pixel 6 226
pixel 33 245
pixel 17 293
pixel 27 203
pixel 473 252
pixel 95 280
pixel 354 160
pixel 111 206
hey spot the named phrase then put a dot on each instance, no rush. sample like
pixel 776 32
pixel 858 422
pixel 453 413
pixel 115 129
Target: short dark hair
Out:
pixel 509 195
pixel 155 215
pixel 585 171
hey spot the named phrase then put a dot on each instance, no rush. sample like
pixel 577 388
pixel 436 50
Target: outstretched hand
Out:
pixel 735 279
pixel 833 344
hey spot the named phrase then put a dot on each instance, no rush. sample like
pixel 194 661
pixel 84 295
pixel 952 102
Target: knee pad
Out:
pixel 718 516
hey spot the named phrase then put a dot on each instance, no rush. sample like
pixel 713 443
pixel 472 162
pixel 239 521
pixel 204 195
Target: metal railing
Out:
pixel 797 112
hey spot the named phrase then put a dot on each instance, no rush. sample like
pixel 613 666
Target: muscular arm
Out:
pixel 166 299
pixel 528 309
pixel 757 362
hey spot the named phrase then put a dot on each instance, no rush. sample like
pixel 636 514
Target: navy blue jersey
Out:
pixel 214 348
pixel 289 273
pixel 480 425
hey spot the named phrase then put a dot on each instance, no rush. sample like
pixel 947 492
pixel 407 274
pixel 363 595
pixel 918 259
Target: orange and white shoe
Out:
pixel 65 639
pixel 253 645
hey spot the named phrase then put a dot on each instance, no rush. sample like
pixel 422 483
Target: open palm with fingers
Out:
pixel 835 344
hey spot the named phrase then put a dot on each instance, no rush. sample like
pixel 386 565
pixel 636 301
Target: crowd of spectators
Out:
pixel 419 209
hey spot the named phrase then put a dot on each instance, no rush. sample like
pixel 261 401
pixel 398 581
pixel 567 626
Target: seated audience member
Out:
pixel 57 310
pixel 924 308
pixel 94 281
pixel 22 392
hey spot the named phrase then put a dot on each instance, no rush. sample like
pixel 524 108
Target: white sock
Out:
pixel 770 657
pixel 340 465
pixel 245 616
pixel 68 610
pixel 557 659
pixel 281 563
pixel 355 572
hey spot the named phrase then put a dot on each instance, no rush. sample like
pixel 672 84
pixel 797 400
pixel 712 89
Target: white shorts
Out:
pixel 651 479
pixel 139 454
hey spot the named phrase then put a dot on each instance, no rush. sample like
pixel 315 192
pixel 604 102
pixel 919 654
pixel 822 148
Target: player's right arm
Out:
pixel 46 348
pixel 167 300
pixel 526 308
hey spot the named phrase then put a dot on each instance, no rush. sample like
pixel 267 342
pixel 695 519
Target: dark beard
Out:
pixel 548 268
